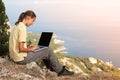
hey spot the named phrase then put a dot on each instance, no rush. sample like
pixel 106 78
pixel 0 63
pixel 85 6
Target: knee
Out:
pixel 48 48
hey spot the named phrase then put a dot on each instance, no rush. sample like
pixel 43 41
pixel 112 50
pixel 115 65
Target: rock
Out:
pixel 2 60
pixel 96 69
pixel 31 65
pixel 4 71
pixel 31 71
pixel 109 64
pixel 92 60
pixel 83 65
pixel 21 75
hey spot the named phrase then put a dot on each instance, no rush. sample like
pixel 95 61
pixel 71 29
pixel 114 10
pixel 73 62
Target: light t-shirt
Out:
pixel 18 34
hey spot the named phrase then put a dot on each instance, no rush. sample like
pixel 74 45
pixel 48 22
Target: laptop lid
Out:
pixel 45 39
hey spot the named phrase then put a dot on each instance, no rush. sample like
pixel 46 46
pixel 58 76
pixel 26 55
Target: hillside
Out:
pixel 84 68
pixel 31 71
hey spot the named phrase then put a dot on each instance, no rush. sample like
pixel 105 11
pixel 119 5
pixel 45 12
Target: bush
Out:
pixel 4 35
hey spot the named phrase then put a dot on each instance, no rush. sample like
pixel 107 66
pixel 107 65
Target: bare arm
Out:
pixel 28 49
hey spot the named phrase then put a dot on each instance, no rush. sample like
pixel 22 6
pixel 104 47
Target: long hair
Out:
pixel 24 15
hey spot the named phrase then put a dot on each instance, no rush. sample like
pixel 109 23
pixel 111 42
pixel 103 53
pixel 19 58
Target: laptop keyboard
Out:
pixel 40 48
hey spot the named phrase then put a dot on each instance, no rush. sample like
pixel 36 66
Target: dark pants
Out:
pixel 48 57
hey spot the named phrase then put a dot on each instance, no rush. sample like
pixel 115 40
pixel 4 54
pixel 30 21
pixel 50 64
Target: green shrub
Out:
pixel 4 35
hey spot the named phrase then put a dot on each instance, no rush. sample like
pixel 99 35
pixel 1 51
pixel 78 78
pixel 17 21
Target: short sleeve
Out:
pixel 22 35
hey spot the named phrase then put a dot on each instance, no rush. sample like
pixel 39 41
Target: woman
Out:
pixel 21 54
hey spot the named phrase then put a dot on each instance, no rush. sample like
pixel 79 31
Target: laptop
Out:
pixel 44 40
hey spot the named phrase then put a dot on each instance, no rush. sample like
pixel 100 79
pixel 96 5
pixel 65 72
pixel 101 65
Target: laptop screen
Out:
pixel 45 38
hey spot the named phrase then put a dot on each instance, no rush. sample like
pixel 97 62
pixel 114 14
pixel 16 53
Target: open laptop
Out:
pixel 44 40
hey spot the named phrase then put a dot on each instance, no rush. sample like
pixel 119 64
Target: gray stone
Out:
pixel 96 69
pixel 2 60
pixel 31 65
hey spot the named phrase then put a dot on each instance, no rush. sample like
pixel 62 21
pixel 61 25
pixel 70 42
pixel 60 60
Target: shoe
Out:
pixel 64 71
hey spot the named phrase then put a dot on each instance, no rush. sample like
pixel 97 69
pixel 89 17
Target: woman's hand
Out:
pixel 32 47
pixel 28 49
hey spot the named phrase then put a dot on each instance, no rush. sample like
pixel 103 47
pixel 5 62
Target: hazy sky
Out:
pixel 100 13
pixel 95 21
pixel 88 12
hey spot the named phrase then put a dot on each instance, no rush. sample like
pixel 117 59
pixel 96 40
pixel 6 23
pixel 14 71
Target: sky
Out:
pixel 96 23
